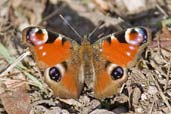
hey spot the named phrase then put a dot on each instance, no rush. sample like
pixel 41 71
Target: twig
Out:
pixel 162 10
pixel 122 87
pixel 151 108
pixel 161 93
pixel 70 102
pixel 167 76
pixel 15 62
pixel 9 75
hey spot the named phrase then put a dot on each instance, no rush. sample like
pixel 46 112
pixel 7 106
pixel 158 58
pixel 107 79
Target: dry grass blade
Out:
pixel 151 108
pixel 16 63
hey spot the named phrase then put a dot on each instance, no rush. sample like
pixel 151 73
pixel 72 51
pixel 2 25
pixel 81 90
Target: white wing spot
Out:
pixel 128 53
pixel 44 53
pixel 131 47
pixel 41 47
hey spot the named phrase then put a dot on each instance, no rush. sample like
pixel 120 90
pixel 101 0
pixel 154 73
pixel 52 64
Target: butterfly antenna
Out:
pixel 95 29
pixel 70 26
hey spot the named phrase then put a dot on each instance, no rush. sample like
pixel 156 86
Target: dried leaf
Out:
pixel 16 101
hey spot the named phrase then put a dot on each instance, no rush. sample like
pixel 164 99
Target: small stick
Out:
pixel 70 102
pixel 161 93
pixel 21 57
pixel 167 75
pixel 151 108
pixel 162 10
pixel 9 75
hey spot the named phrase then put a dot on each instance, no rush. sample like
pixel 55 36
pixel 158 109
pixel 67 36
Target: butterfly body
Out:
pixel 102 66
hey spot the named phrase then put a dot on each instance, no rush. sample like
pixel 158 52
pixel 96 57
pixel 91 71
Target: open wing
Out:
pixel 59 57
pixel 114 55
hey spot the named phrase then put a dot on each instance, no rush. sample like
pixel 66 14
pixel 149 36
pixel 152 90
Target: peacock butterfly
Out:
pixel 67 64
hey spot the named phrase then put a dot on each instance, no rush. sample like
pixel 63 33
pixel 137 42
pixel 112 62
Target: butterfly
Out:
pixel 102 65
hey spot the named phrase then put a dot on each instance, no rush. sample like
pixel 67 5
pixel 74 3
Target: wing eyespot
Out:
pixel 116 72
pixel 56 73
pixel 136 36
pixel 37 36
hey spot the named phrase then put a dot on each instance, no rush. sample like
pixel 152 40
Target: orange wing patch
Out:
pixel 70 86
pixel 119 53
pixel 70 81
pixel 53 53
pixel 101 82
pixel 104 86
